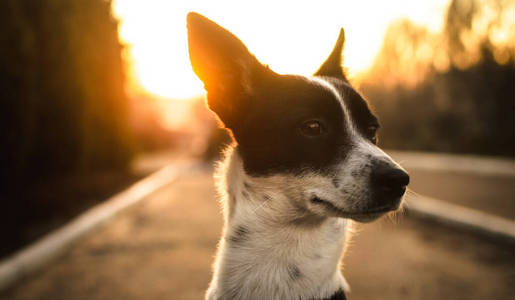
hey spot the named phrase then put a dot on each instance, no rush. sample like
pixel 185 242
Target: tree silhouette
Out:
pixel 63 107
pixel 462 98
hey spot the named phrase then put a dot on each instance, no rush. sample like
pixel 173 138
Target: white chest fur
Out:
pixel 266 251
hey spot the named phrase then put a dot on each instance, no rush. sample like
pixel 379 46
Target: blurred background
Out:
pixel 97 94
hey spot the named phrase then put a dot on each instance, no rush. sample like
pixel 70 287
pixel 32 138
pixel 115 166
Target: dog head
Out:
pixel 318 131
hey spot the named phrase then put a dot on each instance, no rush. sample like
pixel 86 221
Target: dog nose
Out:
pixel 389 181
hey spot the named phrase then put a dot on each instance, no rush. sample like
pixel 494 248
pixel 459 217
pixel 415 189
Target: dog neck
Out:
pixel 272 249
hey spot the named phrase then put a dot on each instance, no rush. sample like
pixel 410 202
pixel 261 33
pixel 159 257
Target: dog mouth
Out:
pixel 362 216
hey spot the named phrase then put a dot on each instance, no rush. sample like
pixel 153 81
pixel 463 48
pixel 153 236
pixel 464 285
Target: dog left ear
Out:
pixel 226 67
pixel 333 64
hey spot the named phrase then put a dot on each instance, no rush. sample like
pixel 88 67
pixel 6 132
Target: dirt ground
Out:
pixel 163 249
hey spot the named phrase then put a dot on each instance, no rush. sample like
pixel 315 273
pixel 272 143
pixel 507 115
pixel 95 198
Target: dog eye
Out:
pixel 312 128
pixel 371 133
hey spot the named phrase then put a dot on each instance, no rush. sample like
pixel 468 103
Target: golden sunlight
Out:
pixel 290 36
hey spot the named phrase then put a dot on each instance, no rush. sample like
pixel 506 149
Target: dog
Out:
pixel 303 165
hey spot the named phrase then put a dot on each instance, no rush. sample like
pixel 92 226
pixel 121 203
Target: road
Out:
pixel 163 248
pixel 482 183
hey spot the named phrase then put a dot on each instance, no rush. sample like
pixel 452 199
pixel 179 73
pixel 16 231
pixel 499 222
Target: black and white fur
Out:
pixel 304 163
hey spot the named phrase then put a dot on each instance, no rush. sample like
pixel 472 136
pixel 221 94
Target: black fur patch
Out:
pixel 270 139
pixel 239 235
pixel 294 272
pixel 336 182
pixel 361 114
pixel 339 295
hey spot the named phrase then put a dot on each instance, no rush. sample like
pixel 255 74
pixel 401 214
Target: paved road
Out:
pixel 163 249
pixel 488 193
pixel 483 183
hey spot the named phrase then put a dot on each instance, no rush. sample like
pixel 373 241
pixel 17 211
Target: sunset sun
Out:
pixel 289 36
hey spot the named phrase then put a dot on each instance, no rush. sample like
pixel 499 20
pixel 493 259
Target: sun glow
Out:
pixel 289 36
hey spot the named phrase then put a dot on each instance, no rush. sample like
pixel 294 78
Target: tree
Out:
pixel 462 97
pixel 63 106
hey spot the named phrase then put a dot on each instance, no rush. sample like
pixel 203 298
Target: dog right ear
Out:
pixel 333 65
pixel 225 66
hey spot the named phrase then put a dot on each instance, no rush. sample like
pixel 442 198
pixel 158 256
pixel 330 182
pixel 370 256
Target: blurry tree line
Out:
pixel 452 91
pixel 63 107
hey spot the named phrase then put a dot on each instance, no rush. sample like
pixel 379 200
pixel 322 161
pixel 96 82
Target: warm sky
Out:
pixel 290 36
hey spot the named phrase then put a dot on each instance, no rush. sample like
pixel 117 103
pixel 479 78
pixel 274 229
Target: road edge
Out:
pixel 462 217
pixel 43 251
pixel 460 163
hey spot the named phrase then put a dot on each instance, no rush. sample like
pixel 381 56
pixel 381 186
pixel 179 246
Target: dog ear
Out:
pixel 333 64
pixel 225 66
